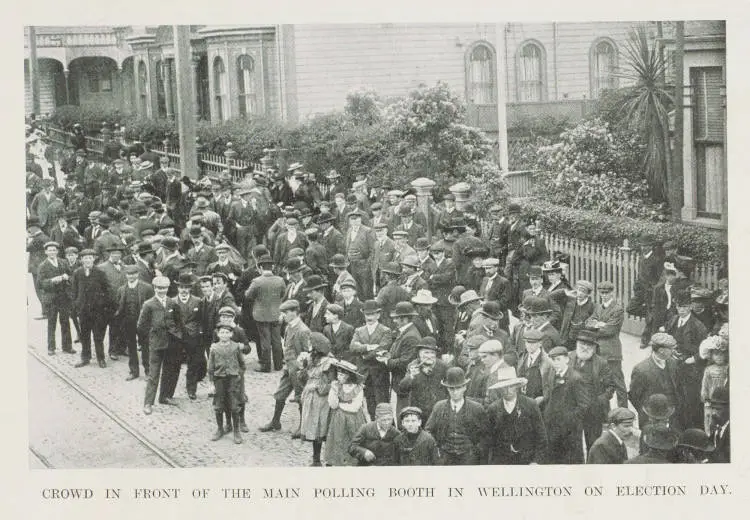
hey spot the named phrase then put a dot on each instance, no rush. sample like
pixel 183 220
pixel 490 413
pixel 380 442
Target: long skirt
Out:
pixel 342 428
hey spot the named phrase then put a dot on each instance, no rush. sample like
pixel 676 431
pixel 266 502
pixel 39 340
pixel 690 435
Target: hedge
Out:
pixel 703 244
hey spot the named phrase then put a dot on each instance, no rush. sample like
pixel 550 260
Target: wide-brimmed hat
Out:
pixel 553 266
pixel 411 261
pixel 506 376
pixel 314 282
pixel 348 367
pixel 491 309
pixel 659 437
pixel 468 297
pixel 391 267
pixel 455 378
pixel 424 297
pixel 403 309
pixel 696 439
pixel 658 407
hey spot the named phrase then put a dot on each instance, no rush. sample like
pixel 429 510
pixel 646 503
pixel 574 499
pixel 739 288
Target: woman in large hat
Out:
pixel 348 413
pixel 315 410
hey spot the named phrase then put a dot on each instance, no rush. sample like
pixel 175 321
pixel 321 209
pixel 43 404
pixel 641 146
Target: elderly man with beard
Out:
pixel 516 432
pixel 599 381
pixel 422 382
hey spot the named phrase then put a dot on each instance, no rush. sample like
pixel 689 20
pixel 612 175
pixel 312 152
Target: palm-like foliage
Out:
pixel 646 105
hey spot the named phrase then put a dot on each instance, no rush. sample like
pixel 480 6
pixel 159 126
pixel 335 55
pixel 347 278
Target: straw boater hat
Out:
pixel 468 297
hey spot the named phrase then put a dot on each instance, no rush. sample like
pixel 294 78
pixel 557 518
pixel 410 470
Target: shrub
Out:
pixel 540 125
pixel 248 136
pixel 90 117
pixel 363 107
pixel 149 130
pixel 704 245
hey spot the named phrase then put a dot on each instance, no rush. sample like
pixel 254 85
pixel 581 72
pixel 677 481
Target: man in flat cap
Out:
pixel 535 366
pixel 610 447
pixel 264 297
pixel 606 321
pixel 114 270
pixel 93 303
pixel 129 300
pixel 160 329
pixel 577 306
pixel 359 244
pixel 656 374
pixel 53 277
pixel 106 238
pixel 565 410
pixel 296 341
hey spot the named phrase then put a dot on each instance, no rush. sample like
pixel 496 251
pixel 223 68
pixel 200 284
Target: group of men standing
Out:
pixel 427 321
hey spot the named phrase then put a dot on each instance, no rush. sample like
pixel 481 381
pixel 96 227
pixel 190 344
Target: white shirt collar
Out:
pixel 456 407
pixel 616 436
pixel 659 362
pixel 509 407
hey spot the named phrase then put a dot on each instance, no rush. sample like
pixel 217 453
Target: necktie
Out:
pixel 623 452
pixel 668 290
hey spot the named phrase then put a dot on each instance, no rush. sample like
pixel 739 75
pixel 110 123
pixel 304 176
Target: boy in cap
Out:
pixel 610 447
pixel 159 330
pixel 225 368
pixel 93 303
pixel 373 444
pixel 227 316
pixel 369 340
pixel 351 304
pixel 414 446
pixel 129 300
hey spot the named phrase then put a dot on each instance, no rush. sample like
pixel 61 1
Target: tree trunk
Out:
pixel 675 179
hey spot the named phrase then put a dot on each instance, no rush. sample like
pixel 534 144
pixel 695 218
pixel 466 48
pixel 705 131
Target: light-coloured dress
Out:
pixel 348 414
pixel 314 400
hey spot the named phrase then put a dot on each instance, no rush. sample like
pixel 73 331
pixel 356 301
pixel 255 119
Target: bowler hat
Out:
pixel 314 282
pixel 319 343
pixel 403 309
pixel 410 410
pixel 144 248
pixel 289 305
pixel 620 415
pixel 338 260
pixel 455 378
pixel 265 260
pixel 534 305
pixel 535 271
pixel 371 307
pixel 424 297
pixel 294 265
pixel 659 437
pixel 186 280
pixel 411 261
pixel 658 407
pixel 428 342
pixel 696 439
pixel 491 309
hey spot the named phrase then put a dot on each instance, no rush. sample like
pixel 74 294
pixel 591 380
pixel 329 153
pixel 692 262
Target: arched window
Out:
pixel 220 88
pixel 143 87
pixel 531 69
pixel 603 66
pixel 246 85
pixel 480 72
pixel 161 100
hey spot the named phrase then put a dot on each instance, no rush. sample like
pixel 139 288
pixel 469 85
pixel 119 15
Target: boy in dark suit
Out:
pixel 610 448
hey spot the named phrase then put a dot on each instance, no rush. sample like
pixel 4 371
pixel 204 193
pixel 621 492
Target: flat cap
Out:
pixel 491 346
pixel 532 335
pixel 227 311
pixel 410 410
pixel 620 415
pixel 161 281
pixel 662 340
pixel 585 284
pixel 557 351
pixel 289 305
pixel 606 287
pixel 475 341
pixel 88 252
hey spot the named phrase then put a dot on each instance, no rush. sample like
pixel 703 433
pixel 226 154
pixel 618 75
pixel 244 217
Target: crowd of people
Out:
pixel 395 349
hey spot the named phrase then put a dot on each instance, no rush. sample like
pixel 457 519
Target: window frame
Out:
pixel 542 71
pixel 248 100
pixel 594 81
pixel 470 84
pixel 220 87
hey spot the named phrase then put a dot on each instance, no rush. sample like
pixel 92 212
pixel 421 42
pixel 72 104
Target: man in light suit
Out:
pixel 359 245
pixel 368 340
pixel 296 341
pixel 607 318
pixel 264 297
pixel 41 202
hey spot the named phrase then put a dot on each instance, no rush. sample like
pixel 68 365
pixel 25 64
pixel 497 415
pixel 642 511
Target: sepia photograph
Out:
pixel 377 244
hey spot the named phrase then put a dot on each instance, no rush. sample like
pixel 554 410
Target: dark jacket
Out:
pixel 519 437
pixel 264 296
pixel 600 389
pixel 648 379
pixel 91 296
pixel 365 359
pixel 340 341
pixel 607 450
pixel 568 402
pixel 159 326
pixel 423 390
pixel 57 292
pixel 608 336
pixel 403 350
pixel 473 418
pixel 368 438
pixel 144 291
pixel 416 450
